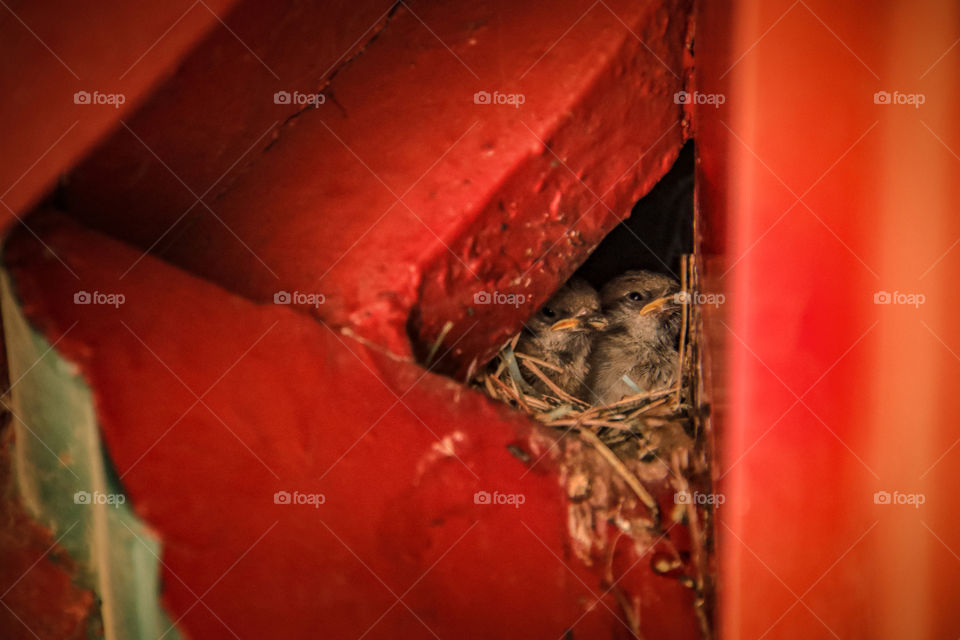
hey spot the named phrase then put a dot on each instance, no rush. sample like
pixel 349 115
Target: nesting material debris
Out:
pixel 517 379
pixel 620 460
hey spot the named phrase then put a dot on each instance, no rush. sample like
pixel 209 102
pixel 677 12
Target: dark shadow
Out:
pixel 658 231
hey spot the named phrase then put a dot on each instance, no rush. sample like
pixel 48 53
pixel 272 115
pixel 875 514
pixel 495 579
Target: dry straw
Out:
pixel 628 433
pixel 508 379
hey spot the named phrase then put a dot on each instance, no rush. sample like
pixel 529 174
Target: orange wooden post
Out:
pixel 828 194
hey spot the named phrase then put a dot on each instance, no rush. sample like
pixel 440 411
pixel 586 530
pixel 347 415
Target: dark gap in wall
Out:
pixel 658 231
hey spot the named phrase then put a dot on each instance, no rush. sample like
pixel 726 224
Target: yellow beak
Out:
pixel 580 321
pixel 597 322
pixel 655 305
pixel 566 323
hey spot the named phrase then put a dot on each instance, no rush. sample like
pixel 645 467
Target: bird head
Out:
pixel 644 304
pixel 574 309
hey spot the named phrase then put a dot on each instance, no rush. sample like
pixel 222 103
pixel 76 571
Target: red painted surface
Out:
pixel 398 199
pixel 285 403
pixel 399 190
pixel 216 116
pixel 52 50
pixel 824 397
pixel 804 549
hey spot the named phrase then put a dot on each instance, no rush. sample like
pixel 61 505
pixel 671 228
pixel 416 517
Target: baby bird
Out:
pixel 637 351
pixel 561 333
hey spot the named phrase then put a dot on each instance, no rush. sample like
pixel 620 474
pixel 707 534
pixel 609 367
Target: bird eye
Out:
pixel 548 312
pixel 636 297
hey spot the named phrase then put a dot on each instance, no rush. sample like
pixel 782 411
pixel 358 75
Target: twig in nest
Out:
pixel 636 413
pixel 542 363
pixel 620 426
pixel 563 395
pixel 630 400
pixel 518 395
pixel 685 311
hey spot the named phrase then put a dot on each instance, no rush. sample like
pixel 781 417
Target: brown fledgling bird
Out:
pixel 561 334
pixel 637 351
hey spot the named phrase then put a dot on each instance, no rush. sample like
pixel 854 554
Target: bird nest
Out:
pixel 508 379
pixel 644 444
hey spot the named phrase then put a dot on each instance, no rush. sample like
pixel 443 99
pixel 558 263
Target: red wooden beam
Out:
pixel 217 114
pixel 235 401
pixel 382 199
pixel 395 197
pixel 50 51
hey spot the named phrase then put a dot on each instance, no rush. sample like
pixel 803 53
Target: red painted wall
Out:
pixel 814 199
pixel 235 401
pixel 398 199
pixel 51 50
pixel 400 192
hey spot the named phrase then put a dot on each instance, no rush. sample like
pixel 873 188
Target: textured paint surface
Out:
pixel 401 189
pixel 51 50
pixel 228 102
pixel 398 199
pixel 233 411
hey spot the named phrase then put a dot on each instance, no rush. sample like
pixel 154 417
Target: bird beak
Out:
pixel 596 321
pixel 580 321
pixel 657 305
pixel 566 324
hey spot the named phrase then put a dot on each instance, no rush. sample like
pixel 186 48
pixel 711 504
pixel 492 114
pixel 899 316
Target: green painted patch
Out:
pixel 66 482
